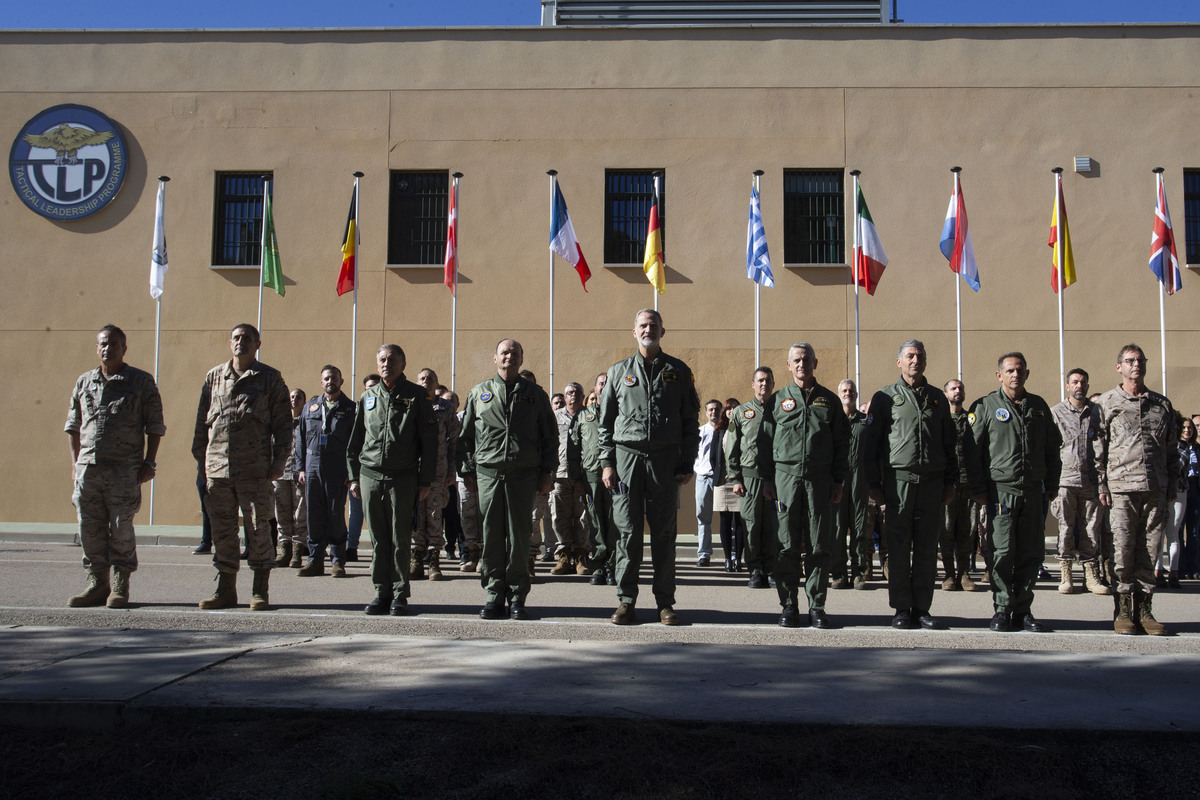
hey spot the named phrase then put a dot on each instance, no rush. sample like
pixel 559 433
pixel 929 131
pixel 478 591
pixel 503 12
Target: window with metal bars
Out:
pixel 814 216
pixel 418 213
pixel 1191 214
pixel 628 195
pixel 237 219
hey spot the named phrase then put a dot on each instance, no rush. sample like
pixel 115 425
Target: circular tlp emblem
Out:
pixel 68 162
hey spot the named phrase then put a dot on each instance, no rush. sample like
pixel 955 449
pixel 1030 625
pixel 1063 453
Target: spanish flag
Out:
pixel 1058 228
pixel 653 265
pixel 349 272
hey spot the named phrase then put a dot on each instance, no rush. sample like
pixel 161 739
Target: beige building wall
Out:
pixel 901 103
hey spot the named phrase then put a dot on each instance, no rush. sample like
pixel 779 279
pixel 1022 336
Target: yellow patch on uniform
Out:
pixel 820 401
pixel 670 377
pixel 971 419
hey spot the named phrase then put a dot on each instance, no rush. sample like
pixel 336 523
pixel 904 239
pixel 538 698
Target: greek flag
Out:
pixel 758 260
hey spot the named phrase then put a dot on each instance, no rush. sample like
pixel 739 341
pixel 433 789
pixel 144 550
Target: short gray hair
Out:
pixel 917 343
pixel 803 346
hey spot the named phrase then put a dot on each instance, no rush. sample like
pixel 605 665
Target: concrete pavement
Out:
pixel 730 662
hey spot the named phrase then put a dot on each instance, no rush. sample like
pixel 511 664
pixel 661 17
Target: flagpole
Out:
pixel 758 173
pixel 553 173
pixel 354 311
pixel 1059 255
pixel 162 180
pixel 1168 275
pixel 854 271
pixel 454 293
pixel 661 236
pixel 958 286
pixel 262 260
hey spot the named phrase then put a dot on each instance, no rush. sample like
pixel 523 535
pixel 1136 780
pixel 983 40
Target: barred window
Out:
pixel 237 218
pixel 418 213
pixel 628 196
pixel 814 214
pixel 1191 214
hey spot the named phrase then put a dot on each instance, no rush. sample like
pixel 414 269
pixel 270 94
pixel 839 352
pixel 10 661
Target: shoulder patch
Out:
pixel 631 380
pixel 971 419
pixel 1002 414
pixel 788 405
pixel 485 396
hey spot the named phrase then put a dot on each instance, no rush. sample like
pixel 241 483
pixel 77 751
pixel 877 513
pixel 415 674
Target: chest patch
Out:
pixel 312 409
pixel 897 399
pixel 1003 414
pixel 589 416
pixel 631 380
pixel 788 405
pixel 748 413
pixel 485 396
pixel 369 403
pixel 670 377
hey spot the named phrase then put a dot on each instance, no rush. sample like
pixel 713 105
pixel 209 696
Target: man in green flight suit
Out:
pixel 508 451
pixel 802 460
pixel 648 445
pixel 583 466
pixel 851 537
pixel 392 459
pixel 1013 461
pixel 741 465
pixel 912 467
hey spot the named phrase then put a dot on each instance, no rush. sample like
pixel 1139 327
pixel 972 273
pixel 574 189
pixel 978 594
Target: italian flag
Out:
pixel 869 258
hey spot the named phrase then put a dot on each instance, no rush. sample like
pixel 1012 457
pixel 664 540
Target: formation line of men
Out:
pixel 799 459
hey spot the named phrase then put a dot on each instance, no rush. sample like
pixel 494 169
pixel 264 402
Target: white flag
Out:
pixel 158 258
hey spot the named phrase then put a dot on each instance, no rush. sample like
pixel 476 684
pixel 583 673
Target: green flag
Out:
pixel 272 272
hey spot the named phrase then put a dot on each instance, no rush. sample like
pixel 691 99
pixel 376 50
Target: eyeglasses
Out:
pixel 1132 361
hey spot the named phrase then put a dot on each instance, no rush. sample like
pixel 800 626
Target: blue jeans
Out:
pixel 704 512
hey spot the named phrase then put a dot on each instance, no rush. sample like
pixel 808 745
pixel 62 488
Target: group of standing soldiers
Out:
pixel 794 457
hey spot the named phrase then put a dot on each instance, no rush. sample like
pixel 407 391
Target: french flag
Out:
pixel 1163 261
pixel 563 239
pixel 956 239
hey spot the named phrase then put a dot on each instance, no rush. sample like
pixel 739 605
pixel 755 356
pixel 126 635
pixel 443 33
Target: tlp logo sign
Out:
pixel 68 162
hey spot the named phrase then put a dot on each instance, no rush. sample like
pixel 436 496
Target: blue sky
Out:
pixel 403 13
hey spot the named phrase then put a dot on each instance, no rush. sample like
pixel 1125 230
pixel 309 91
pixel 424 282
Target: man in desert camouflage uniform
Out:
pixel 568 511
pixel 428 535
pixel 242 442
pixel 1138 468
pixel 1077 507
pixel 115 424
